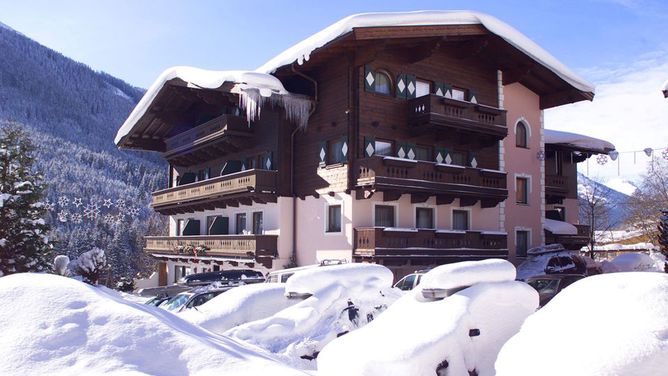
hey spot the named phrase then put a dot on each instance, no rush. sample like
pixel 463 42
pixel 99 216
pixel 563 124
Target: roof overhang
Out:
pixel 577 142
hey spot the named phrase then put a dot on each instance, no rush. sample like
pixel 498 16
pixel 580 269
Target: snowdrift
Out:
pixel 609 324
pixel 57 325
pixel 637 262
pixel 415 336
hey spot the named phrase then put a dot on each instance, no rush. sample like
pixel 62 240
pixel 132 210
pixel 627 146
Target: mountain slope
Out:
pixel 72 114
pixel 616 203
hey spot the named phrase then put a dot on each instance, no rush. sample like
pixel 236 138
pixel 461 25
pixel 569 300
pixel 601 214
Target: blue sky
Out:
pixel 620 45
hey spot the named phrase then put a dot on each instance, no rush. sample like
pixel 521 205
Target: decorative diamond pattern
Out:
pixel 448 94
pixel 267 164
pixel 401 85
pixel 439 92
pixel 411 154
pixel 411 88
pixel 322 154
pixel 369 150
pixel 344 149
pixel 448 159
pixel 369 78
pixel 474 100
pixel 439 158
pixel 474 163
pixel 401 153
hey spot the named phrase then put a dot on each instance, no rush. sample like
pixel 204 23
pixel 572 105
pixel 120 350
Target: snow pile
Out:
pixel 238 306
pixel 301 51
pixel 559 227
pixel 418 337
pixel 610 324
pixel 636 262
pixel 254 89
pixel 344 297
pixel 577 141
pixel 57 325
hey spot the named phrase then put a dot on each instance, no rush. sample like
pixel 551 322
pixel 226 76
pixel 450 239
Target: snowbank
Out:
pixel 636 262
pixel 414 336
pixel 610 324
pixel 238 306
pixel 301 51
pixel 577 141
pixel 344 298
pixel 467 273
pixel 57 325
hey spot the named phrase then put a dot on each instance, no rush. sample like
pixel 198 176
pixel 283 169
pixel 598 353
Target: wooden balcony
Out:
pixel 229 190
pixel 261 248
pixel 557 188
pixel 572 242
pixel 221 135
pixel 441 245
pixel 421 179
pixel 452 114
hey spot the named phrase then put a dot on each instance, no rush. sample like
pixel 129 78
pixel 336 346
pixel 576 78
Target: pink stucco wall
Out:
pixel 523 104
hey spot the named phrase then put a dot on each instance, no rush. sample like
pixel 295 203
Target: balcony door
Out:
pixel 384 216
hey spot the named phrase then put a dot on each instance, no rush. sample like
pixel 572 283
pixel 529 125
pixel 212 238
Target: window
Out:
pixel 458 158
pixel 257 223
pixel 384 216
pixel 522 190
pixel 423 153
pixel 521 243
pixel 521 135
pixel 241 223
pixel 216 267
pixel 460 220
pixel 458 94
pixel 424 218
pixel 334 218
pixel 383 147
pixel 381 82
pixel 422 88
pixel 335 151
pixel 180 224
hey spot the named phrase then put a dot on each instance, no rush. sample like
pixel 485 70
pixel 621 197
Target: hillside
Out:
pixel 72 113
pixel 616 203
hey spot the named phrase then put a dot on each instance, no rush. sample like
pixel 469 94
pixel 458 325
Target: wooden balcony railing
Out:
pixel 409 176
pixel 219 245
pixel 380 241
pixel 255 181
pixel 451 113
pixel 572 242
pixel 203 133
pixel 556 184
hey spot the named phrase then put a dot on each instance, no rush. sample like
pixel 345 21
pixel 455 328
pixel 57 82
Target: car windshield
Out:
pixel 176 302
pixel 544 286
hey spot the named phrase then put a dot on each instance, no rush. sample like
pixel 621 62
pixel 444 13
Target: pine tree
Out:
pixel 24 245
pixel 663 236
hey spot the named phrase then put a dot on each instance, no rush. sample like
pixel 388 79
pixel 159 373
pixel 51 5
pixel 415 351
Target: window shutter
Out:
pixel 268 161
pixel 411 86
pixel 369 146
pixel 344 147
pixel 472 96
pixel 369 78
pixel 402 149
pixel 401 88
pixel 472 159
pixel 447 91
pixel 442 156
pixel 322 152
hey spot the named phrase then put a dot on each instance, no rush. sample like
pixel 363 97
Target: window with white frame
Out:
pixel 333 218
pixel 240 223
pixel 384 216
pixel 424 217
pixel 522 190
pixel 521 135
pixel 460 220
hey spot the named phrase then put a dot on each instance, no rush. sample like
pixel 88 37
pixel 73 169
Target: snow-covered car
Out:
pixel 326 303
pixel 427 334
pixel 156 301
pixel 549 285
pixel 555 259
pixel 193 298
pixel 410 281
pixel 234 276
pixel 282 275
pixel 608 324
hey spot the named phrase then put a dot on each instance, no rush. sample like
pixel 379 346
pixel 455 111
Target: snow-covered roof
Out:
pixel 577 141
pixel 301 51
pixel 266 84
pixel 559 227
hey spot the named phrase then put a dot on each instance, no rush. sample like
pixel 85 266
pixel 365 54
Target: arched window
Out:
pixel 381 83
pixel 521 135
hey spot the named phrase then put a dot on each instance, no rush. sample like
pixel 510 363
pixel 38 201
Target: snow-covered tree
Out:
pixel 595 203
pixel 90 265
pixel 24 244
pixel 60 264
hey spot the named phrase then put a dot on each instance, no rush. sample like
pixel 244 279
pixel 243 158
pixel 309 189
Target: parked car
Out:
pixel 410 281
pixel 280 276
pixel 549 285
pixel 193 298
pixel 156 301
pixel 234 276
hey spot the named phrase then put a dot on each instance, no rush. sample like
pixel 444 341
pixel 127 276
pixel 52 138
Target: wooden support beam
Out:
pixel 444 199
pixel 488 203
pixel 467 201
pixel 364 193
pixel 391 195
pixel 246 201
pixel 418 198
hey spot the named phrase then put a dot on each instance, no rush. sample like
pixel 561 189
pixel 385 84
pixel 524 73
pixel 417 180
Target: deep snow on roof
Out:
pixel 559 227
pixel 577 141
pixel 301 51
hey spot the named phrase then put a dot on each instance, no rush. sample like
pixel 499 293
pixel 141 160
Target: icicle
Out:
pixel 296 109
